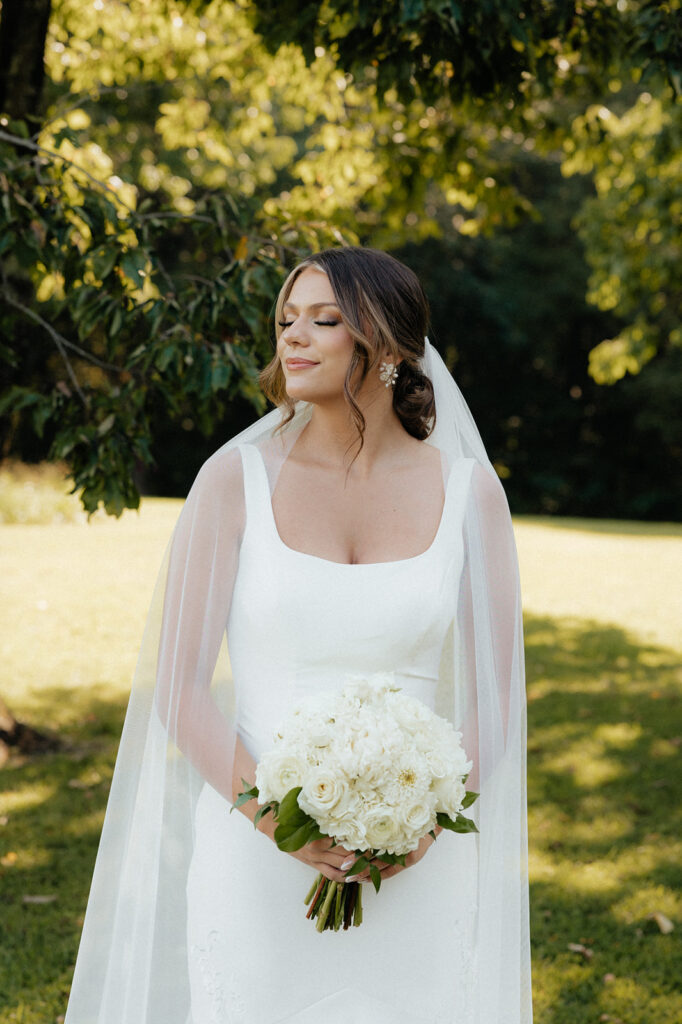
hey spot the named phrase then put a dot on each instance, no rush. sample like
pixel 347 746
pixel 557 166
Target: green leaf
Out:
pixel 103 262
pixel 248 793
pixel 361 864
pixel 289 811
pixel 459 824
pixel 261 812
pixel 133 264
pixel 290 841
pixel 469 798
pixel 375 875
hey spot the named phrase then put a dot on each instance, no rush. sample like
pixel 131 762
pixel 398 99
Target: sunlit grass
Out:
pixel 604 739
pixel 606 571
pixel 37 494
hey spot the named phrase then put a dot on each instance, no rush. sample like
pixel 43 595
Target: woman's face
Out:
pixel 314 346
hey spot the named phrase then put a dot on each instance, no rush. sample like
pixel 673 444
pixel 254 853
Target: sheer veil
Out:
pixel 180 730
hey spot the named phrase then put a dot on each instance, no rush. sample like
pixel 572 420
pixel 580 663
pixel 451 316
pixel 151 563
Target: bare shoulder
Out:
pixel 420 456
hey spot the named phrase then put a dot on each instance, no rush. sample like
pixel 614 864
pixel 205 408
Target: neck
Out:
pixel 332 435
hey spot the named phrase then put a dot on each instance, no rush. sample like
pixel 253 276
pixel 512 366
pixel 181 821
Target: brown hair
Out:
pixel 383 305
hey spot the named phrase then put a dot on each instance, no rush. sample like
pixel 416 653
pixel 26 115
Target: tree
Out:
pixel 500 48
pixel 144 229
pixel 632 228
pixel 23 28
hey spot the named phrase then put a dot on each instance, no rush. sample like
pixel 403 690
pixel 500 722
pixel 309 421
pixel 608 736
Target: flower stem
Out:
pixel 357 912
pixel 338 906
pixel 316 897
pixel 313 888
pixel 350 904
pixel 326 906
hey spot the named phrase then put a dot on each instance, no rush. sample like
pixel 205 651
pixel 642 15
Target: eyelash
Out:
pixel 319 323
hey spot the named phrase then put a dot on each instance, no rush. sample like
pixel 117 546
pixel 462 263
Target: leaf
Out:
pixel 578 947
pixel 289 841
pixel 103 262
pixel 375 875
pixel 265 809
pixel 665 925
pixel 289 811
pixel 460 824
pixel 133 265
pixel 469 799
pixel 248 793
pixel 106 424
pixel 361 864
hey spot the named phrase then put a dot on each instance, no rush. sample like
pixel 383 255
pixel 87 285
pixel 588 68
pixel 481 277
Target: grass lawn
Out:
pixel 603 630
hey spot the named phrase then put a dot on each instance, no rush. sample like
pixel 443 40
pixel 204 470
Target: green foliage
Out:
pixel 196 99
pixel 632 228
pixel 509 314
pixel 147 331
pixel 496 47
pixel 185 165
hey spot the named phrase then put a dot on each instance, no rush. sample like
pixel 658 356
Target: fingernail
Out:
pixel 347 863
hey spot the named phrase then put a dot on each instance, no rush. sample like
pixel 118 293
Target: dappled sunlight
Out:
pixel 589 767
pixel 630 997
pixel 605 820
pixel 604 738
pixel 85 825
pixel 28 796
pixel 638 905
pixel 23 858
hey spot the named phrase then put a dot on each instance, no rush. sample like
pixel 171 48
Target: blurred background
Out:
pixel 163 164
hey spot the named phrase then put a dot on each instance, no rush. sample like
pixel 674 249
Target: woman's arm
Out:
pixel 202 569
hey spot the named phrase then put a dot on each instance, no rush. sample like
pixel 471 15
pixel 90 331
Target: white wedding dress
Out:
pixel 300 624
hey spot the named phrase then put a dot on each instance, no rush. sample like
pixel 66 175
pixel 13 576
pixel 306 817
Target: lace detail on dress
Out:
pixel 226 1004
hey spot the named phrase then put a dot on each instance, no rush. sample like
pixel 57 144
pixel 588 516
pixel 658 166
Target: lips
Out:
pixel 299 364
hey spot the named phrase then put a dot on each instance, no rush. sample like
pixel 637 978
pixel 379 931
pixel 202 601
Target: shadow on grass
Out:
pixel 605 730
pixel 605 727
pixel 52 812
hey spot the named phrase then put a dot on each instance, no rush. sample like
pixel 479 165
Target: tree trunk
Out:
pixel 23 28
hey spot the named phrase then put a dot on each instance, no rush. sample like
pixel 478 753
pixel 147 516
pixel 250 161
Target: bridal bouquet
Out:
pixel 373 769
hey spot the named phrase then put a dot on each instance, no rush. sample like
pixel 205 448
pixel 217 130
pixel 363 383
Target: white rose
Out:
pixel 418 818
pixel 322 790
pixel 381 828
pixel 449 793
pixel 277 773
pixel 350 832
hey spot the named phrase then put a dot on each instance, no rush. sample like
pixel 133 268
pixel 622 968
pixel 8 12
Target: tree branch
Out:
pixel 16 140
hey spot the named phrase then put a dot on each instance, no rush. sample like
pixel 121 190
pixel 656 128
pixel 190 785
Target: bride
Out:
pixel 358 528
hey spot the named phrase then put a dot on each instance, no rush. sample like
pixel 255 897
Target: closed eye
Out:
pixel 319 323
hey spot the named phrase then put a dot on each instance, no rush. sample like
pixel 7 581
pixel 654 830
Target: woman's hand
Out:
pixel 327 859
pixel 388 870
pixel 321 855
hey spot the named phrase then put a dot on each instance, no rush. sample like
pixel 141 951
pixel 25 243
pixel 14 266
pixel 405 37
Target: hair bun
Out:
pixel 413 401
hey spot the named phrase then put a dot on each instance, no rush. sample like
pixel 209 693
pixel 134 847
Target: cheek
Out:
pixel 341 349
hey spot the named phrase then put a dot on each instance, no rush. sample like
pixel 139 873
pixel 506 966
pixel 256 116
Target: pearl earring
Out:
pixel 388 374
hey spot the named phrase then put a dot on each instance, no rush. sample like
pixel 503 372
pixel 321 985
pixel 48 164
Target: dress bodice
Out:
pixel 300 623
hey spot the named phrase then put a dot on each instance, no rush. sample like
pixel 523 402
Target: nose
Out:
pixel 295 333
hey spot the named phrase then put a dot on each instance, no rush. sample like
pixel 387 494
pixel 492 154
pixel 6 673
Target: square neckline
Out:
pixel 348 565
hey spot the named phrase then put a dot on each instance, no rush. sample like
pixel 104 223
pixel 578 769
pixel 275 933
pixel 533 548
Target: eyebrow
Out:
pixel 314 305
